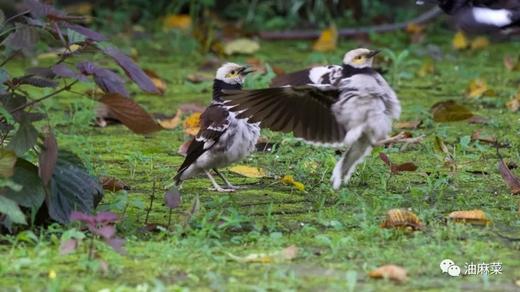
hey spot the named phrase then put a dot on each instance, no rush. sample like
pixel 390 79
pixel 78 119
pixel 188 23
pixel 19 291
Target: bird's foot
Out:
pixel 401 138
pixel 222 190
pixel 230 186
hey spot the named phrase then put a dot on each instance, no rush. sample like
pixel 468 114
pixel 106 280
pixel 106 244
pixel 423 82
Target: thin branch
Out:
pixel 313 34
pixel 64 88
pixel 15 16
pixel 11 56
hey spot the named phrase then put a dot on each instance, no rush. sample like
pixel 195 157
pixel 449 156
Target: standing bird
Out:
pixel 223 138
pixel 355 110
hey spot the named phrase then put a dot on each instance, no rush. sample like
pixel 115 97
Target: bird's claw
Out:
pixel 222 190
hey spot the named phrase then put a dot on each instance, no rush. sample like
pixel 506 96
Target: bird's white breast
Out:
pixel 496 17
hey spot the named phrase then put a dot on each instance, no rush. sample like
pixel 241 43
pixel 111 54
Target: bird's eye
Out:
pixel 233 72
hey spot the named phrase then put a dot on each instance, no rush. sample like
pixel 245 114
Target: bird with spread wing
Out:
pixel 349 106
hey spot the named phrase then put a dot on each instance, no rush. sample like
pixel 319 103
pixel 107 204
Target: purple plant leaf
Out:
pixel 68 246
pixel 172 198
pixel 107 80
pixel 131 69
pixel 82 217
pixel 106 218
pixel 63 70
pixel 39 10
pixel 88 33
pixel 116 243
pixel 23 39
pixel 40 71
pixel 107 231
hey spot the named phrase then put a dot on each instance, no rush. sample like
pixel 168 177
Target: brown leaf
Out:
pixel 173 122
pixel 113 184
pixel 476 136
pixel 480 42
pixel 48 157
pixel 257 65
pixel 177 21
pixel 472 216
pixel 199 77
pixel 183 149
pixel 509 177
pixel 397 168
pixel 130 114
pixel 449 111
pixel 327 41
pixel 414 124
pixel 402 218
pixel 511 63
pixel 449 161
pixel 278 70
pixel 477 120
pixel 392 272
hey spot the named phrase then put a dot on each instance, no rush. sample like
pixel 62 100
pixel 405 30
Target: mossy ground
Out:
pixel 338 233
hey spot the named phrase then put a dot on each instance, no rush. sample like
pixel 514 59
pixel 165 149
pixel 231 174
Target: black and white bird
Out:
pixel 352 109
pixel 483 16
pixel 222 139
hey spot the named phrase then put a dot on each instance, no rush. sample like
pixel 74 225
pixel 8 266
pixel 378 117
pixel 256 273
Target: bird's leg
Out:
pixel 216 187
pixel 228 184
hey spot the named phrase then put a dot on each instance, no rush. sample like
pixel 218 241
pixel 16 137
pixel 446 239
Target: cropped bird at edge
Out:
pixel 222 139
pixel 349 106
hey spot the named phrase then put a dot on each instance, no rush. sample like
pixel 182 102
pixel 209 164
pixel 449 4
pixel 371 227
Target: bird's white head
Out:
pixel 232 73
pixel 360 58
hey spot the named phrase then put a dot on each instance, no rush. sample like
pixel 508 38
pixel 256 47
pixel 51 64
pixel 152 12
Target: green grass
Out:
pixel 337 233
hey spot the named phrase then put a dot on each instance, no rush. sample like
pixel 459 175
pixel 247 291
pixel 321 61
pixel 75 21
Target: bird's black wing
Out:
pixel 297 78
pixel 304 110
pixel 214 122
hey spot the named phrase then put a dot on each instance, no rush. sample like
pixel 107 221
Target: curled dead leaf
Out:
pixel 183 149
pixel 286 254
pixel 171 123
pixel 113 184
pixel 478 88
pixel 248 171
pixel 391 272
pixel 476 136
pixel 402 218
pixel 450 111
pixel 509 177
pixel 472 216
pixel 397 168
pixel 289 180
pixel 460 42
pixel 192 124
pixel 327 41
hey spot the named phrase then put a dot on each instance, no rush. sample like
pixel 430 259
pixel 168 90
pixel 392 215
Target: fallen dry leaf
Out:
pixel 416 32
pixel 401 218
pixel 192 124
pixel 480 42
pixel 171 123
pixel 509 177
pixel 397 168
pixel 450 111
pixel 159 83
pixel 178 21
pixel 511 63
pixel 241 46
pixel 472 216
pixel 449 160
pixel 460 42
pixel 392 272
pixel 113 184
pixel 327 41
pixel 414 124
pixel 427 68
pixel 183 149
pixel 476 136
pixel 514 104
pixel 248 171
pixel 478 88
pixel 289 180
pixel 477 120
pixel 286 254
pixel 199 77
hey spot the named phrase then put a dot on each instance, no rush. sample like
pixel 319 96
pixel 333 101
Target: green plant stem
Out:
pixel 64 88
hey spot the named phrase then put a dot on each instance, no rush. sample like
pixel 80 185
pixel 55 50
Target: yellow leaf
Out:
pixel 427 68
pixel 178 21
pixel 52 274
pixel 473 216
pixel 327 41
pixel 248 171
pixel 479 43
pixel 192 124
pixel 414 28
pixel 392 272
pixel 401 218
pixel 241 46
pixel 173 122
pixel 514 104
pixel 285 254
pixel 299 186
pixel 460 42
pixel 288 179
pixel 477 88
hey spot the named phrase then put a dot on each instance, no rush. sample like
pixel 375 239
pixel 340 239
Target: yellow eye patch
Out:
pixel 359 60
pixel 232 74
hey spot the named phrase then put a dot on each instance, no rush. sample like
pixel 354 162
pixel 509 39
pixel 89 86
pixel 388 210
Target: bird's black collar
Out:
pixel 219 85
pixel 349 71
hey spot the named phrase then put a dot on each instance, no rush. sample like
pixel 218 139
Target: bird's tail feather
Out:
pixel 347 164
